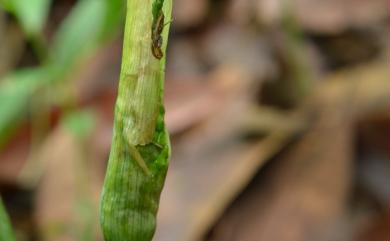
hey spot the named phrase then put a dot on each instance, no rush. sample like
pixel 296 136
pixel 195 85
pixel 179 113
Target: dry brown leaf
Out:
pixel 206 175
pixel 304 193
pixel 66 200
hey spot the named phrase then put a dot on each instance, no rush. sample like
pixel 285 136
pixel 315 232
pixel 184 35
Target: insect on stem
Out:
pixel 157 40
pixel 140 150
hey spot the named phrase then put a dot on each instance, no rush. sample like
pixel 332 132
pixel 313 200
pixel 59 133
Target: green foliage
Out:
pixel 32 14
pixel 80 123
pixel 87 27
pixel 15 92
pixel 115 11
pixel 6 232
pixel 84 30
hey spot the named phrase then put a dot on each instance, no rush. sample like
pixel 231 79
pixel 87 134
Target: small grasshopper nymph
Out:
pixel 157 40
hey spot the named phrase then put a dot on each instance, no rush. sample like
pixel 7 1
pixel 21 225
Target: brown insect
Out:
pixel 157 39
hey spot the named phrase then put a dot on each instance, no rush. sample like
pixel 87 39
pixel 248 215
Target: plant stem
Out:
pixel 140 150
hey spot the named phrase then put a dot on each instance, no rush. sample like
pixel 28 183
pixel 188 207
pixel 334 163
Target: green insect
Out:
pixel 140 149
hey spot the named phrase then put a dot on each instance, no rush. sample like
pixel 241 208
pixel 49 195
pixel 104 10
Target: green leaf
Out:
pixel 89 24
pixel 32 14
pixel 84 29
pixel 79 33
pixel 15 93
pixel 6 5
pixel 116 10
pixel 80 123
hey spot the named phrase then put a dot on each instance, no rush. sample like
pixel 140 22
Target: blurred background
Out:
pixel 278 110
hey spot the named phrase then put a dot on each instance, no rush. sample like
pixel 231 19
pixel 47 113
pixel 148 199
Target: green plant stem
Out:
pixel 140 149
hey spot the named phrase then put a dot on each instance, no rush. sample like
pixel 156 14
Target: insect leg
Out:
pixel 138 158
pixel 170 21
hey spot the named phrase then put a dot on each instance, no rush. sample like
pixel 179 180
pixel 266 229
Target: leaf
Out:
pixel 6 5
pixel 115 12
pixel 87 26
pixel 31 14
pixel 15 93
pixel 80 123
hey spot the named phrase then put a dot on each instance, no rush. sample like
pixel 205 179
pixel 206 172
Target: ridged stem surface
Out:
pixel 140 149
